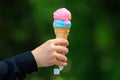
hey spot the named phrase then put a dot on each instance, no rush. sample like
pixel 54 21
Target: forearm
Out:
pixel 18 67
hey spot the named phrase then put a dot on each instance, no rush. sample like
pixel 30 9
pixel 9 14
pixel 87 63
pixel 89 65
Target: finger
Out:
pixel 61 57
pixel 60 63
pixel 61 49
pixel 60 41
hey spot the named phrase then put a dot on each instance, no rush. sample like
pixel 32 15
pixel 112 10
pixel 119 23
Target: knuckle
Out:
pixel 52 47
pixel 54 55
pixel 53 62
pixel 67 50
pixel 66 59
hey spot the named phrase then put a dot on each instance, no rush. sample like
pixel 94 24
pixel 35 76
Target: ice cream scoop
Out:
pixel 62 14
pixel 62 25
pixel 62 18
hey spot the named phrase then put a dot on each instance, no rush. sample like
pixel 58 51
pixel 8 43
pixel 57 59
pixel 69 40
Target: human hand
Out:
pixel 52 52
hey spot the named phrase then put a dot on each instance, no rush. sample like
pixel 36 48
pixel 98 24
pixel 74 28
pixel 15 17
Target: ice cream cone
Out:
pixel 61 32
pixel 62 27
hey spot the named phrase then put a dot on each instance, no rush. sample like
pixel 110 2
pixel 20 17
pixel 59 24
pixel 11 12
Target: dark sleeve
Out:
pixel 16 68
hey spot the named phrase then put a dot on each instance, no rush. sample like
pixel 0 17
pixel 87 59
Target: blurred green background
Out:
pixel 94 37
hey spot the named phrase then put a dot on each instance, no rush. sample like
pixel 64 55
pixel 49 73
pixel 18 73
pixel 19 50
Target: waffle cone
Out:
pixel 61 32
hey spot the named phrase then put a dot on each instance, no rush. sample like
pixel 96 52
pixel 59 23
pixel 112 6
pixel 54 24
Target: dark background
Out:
pixel 94 37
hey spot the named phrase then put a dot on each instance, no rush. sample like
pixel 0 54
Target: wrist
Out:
pixel 35 54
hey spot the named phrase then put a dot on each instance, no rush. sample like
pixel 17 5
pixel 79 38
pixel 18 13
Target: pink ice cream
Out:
pixel 62 14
